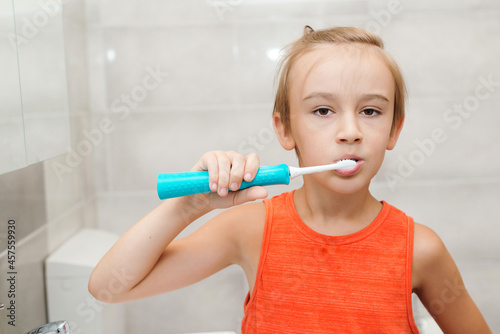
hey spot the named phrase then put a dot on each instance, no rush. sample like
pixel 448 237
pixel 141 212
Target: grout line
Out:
pixel 67 213
pixel 269 105
pixel 264 106
pixel 193 108
pixel 439 13
pixel 26 239
pixel 74 208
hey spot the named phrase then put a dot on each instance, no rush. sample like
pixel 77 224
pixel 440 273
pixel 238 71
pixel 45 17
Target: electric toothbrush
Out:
pixel 171 185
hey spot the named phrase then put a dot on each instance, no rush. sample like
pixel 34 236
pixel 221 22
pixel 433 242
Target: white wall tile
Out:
pixel 432 6
pixel 287 11
pixel 444 54
pixel 145 144
pixel 119 13
pixel 22 198
pixel 76 59
pixel 30 307
pixel 460 213
pixel 211 12
pixel 96 69
pixel 193 66
pixel 256 47
pixel 438 143
pixel 481 280
pixel 62 190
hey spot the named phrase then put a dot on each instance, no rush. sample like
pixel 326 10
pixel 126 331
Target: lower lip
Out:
pixel 350 171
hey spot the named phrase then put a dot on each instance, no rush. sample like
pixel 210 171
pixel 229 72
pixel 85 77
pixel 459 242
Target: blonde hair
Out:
pixel 336 35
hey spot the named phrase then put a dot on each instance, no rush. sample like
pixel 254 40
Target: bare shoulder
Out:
pixel 438 284
pixel 244 218
pixel 428 251
pixel 243 226
pixel 248 228
pixel 427 244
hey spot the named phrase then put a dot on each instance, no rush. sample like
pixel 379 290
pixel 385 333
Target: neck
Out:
pixel 334 213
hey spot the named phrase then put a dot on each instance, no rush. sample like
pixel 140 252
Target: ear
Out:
pixel 393 138
pixel 284 136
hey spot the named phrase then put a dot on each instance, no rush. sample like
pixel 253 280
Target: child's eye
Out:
pixel 370 112
pixel 322 111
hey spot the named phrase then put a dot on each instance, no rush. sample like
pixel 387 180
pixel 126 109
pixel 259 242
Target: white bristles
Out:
pixel 342 164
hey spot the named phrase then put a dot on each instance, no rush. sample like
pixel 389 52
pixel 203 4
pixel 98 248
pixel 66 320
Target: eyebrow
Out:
pixel 320 95
pixel 331 96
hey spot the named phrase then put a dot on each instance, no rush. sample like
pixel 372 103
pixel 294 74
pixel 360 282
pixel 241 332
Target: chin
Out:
pixel 348 191
pixel 349 187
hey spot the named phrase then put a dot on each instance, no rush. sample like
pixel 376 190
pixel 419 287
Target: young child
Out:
pixel 325 258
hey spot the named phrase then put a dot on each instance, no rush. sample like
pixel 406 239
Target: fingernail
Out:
pixel 223 192
pixel 214 186
pixel 234 186
pixel 247 176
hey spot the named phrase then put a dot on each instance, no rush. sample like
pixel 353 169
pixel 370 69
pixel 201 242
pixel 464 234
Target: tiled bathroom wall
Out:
pixel 209 69
pixel 48 207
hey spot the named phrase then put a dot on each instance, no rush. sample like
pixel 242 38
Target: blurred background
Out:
pixel 152 85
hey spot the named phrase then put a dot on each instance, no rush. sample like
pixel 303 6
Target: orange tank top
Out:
pixel 309 282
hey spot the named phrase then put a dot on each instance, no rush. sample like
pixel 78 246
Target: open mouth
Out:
pixel 356 160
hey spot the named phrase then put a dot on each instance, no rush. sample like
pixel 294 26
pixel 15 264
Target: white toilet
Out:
pixel 67 273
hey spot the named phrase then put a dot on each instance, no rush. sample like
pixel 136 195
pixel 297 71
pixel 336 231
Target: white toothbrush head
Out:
pixel 341 164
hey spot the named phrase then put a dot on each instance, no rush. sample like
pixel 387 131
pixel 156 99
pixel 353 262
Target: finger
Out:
pixel 251 166
pixel 204 161
pixel 200 164
pixel 208 162
pixel 212 166
pixel 224 167
pixel 237 170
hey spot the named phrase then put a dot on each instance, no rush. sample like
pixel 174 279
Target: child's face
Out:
pixel 341 106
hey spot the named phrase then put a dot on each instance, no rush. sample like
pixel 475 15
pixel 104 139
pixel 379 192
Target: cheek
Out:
pixel 380 144
pixel 377 141
pixel 314 147
pixel 378 134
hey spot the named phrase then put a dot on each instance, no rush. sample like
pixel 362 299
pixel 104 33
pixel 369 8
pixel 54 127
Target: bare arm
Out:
pixel 147 260
pixel 439 285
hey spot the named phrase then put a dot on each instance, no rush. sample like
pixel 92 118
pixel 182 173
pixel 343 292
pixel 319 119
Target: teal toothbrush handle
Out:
pixel 189 183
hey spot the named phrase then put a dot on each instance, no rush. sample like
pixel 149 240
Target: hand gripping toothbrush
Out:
pixel 171 185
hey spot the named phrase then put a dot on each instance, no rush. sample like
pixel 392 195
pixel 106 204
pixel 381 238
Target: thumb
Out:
pixel 249 194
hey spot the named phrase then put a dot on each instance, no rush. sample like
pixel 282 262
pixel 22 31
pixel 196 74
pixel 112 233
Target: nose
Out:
pixel 349 130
